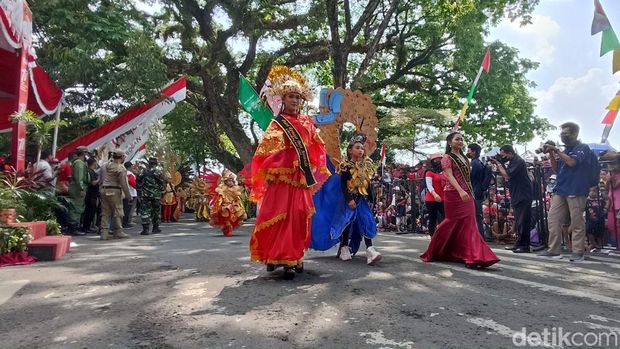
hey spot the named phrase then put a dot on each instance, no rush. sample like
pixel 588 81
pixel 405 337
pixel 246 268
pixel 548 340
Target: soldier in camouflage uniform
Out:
pixel 151 185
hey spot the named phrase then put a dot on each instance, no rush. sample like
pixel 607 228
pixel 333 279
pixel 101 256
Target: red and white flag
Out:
pixel 140 116
pixel 383 154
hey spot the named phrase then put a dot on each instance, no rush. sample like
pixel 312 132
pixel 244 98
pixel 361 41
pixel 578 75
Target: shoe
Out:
pixel 145 229
pixel 120 235
pixel 550 255
pixel 521 250
pixel 372 256
pixel 156 229
pixel 345 254
pixel 510 248
pixel 104 236
pixel 299 268
pixel 78 233
pixel 577 257
pixel 289 274
pixel 271 267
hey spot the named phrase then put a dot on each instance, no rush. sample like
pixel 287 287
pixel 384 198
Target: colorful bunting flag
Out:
pixel 600 21
pixel 485 66
pixel 616 63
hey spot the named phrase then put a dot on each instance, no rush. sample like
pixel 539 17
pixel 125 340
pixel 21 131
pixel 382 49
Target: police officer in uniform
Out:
pixel 113 188
pixel 151 186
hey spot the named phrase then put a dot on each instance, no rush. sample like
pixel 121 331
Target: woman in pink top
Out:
pixel 433 199
pixel 457 238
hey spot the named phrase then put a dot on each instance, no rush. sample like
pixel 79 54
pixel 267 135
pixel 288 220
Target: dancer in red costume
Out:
pixel 287 168
pixel 457 238
pixel 228 211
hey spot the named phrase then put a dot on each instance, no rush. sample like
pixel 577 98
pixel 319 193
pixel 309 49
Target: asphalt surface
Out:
pixel 190 287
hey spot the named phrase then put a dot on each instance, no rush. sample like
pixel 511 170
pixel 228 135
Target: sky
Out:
pixel 574 82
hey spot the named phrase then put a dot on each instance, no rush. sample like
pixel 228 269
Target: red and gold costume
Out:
pixel 279 187
pixel 228 211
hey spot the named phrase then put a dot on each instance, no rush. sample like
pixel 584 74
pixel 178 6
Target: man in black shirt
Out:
pixel 479 181
pixel 521 195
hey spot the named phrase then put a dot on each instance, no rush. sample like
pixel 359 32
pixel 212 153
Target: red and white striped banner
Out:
pixel 135 120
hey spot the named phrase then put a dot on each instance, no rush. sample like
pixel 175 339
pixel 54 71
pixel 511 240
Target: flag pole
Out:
pixel 55 139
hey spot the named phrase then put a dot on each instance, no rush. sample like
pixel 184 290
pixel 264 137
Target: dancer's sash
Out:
pixel 464 168
pixel 300 148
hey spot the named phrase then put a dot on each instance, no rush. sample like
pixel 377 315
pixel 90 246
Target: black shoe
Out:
pixel 156 229
pixel 521 250
pixel 299 268
pixel 271 267
pixel 145 229
pixel 289 274
pixel 510 248
pixel 78 233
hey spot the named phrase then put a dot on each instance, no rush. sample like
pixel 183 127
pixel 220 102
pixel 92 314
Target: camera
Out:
pixel 499 158
pixel 543 148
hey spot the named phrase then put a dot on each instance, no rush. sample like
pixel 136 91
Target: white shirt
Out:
pixel 45 169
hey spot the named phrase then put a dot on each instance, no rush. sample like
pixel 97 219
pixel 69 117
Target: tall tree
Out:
pixel 407 53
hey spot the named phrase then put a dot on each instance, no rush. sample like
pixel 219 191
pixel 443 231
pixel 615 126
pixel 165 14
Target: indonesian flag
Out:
pixel 136 120
pixel 383 154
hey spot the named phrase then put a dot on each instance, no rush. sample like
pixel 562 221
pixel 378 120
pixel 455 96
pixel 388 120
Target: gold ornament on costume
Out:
pixel 358 109
pixel 361 175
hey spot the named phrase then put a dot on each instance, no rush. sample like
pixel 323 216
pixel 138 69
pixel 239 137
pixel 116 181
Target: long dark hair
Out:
pixel 449 139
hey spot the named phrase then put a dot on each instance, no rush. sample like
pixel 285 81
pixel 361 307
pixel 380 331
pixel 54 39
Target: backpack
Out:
pixel 594 169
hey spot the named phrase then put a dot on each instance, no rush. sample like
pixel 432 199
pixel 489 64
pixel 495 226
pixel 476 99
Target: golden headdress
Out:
pixel 227 174
pixel 285 80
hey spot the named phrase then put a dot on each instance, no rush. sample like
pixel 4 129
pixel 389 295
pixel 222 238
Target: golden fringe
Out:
pixel 270 222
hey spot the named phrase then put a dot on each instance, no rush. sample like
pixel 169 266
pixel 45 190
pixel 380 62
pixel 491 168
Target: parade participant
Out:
pixel 228 211
pixel 288 166
pixel 151 186
pixel 433 198
pixel 113 188
pixel 77 191
pixel 168 201
pixel 356 220
pixel 457 238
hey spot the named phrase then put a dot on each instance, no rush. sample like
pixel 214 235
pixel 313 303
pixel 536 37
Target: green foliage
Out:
pixel 32 200
pixel 52 228
pixel 14 239
pixel 183 133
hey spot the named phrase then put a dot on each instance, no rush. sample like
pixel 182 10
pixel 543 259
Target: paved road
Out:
pixel 190 287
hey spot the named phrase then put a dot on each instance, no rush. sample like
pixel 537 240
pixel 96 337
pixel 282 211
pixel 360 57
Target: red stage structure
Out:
pixel 23 84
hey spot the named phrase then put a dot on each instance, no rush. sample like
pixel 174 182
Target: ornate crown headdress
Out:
pixel 285 80
pixel 227 174
pixel 358 138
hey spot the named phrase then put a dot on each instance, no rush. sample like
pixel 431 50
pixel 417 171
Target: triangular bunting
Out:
pixel 614 105
pixel 610 118
pixel 600 21
pixel 609 42
pixel 616 62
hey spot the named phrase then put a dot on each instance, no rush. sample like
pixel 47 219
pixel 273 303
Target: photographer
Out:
pixel 570 191
pixel 521 195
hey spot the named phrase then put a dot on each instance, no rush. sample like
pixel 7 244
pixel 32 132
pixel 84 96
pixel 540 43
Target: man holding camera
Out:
pixel 570 192
pixel 521 194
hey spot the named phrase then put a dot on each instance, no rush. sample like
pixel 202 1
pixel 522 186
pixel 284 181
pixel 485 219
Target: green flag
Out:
pixel 251 103
pixel 609 41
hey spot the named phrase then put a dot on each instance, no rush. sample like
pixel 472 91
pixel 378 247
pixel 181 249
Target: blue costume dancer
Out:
pixel 345 201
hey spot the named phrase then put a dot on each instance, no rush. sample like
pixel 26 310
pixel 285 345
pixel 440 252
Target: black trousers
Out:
pixel 344 239
pixel 435 215
pixel 523 222
pixel 90 202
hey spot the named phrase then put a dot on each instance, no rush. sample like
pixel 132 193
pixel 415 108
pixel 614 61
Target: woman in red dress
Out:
pixel 457 238
pixel 287 168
